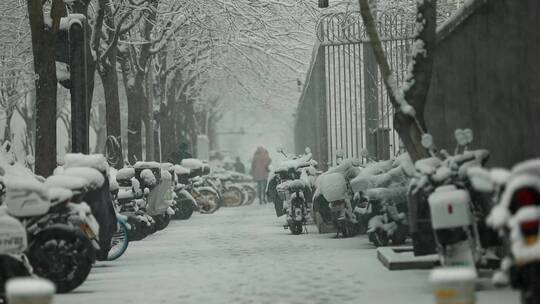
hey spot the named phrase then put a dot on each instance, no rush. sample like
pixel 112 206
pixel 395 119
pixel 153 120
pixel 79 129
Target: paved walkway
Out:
pixel 243 255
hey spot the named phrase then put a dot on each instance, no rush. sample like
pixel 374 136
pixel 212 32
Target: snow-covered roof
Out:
pixel 96 161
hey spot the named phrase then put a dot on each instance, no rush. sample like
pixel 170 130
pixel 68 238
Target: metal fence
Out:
pixel 344 110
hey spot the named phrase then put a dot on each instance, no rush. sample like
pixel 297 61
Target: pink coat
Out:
pixel 259 165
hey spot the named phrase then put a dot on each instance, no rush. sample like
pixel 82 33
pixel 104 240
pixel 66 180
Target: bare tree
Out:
pixel 408 102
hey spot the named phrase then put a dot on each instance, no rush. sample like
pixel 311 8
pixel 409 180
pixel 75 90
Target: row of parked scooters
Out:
pixel 448 204
pixel 57 227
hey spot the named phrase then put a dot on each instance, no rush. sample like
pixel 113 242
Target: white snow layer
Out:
pixel 125 173
pixel 332 186
pixel 192 163
pixel 93 177
pixel 148 177
pixel 96 161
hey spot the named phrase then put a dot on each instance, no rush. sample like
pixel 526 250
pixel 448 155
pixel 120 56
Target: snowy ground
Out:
pixel 243 255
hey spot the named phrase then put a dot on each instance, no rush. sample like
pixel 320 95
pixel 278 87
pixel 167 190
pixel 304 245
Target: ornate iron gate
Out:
pixel 344 107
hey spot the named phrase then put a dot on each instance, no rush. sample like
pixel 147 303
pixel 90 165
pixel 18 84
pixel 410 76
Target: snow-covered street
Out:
pixel 243 255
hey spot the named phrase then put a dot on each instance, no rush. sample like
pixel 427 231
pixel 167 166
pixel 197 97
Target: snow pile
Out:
pixel 19 183
pixel 96 161
pixel 332 186
pixel 386 181
pixel 146 165
pixel 65 181
pixel 57 194
pixel 192 163
pixel 166 166
pixel 93 177
pixel 180 170
pixel 125 174
pixel 148 177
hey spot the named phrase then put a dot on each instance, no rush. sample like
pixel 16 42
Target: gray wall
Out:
pixel 487 77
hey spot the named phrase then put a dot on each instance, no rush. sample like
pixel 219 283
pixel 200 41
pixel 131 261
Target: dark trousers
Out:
pixel 261 191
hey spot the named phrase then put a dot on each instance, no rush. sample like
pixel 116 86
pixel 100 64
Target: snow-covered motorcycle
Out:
pixel 457 209
pixel 13 243
pixel 63 234
pixel 517 218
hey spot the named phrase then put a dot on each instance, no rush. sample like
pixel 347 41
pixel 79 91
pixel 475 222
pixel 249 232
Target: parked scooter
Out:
pixel 334 190
pixel 62 234
pixel 517 218
pixel 457 209
pixel 184 204
pixel 205 192
pixel 13 243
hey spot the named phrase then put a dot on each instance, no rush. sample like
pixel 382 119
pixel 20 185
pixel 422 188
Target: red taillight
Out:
pixel 450 209
pixel 363 205
pixel 524 197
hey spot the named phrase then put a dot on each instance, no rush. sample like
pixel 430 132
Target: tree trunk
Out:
pixel 43 49
pixel 409 127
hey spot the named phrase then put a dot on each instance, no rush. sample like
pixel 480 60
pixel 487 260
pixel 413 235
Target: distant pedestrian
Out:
pixel 259 171
pixel 239 166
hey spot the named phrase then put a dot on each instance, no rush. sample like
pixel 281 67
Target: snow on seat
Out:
pixel 125 174
pixel 25 196
pixel 147 165
pixel 96 161
pixel 21 183
pixel 73 183
pixel 332 186
pixel 167 166
pixel 93 177
pixel 292 185
pixel 180 170
pixel 192 163
pixel 57 194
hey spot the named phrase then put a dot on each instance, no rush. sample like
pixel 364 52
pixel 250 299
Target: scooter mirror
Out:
pixel 364 152
pixel 427 141
pixel 460 136
pixel 468 135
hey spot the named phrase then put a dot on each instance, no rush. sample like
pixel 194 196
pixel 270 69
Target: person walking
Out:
pixel 259 171
pixel 239 166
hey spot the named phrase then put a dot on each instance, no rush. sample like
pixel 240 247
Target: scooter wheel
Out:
pixel 184 211
pixel 379 238
pixel 296 228
pixel 63 257
pixel 119 242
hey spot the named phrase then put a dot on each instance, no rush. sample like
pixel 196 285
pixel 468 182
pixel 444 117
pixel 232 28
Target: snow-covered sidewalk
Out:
pixel 243 255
